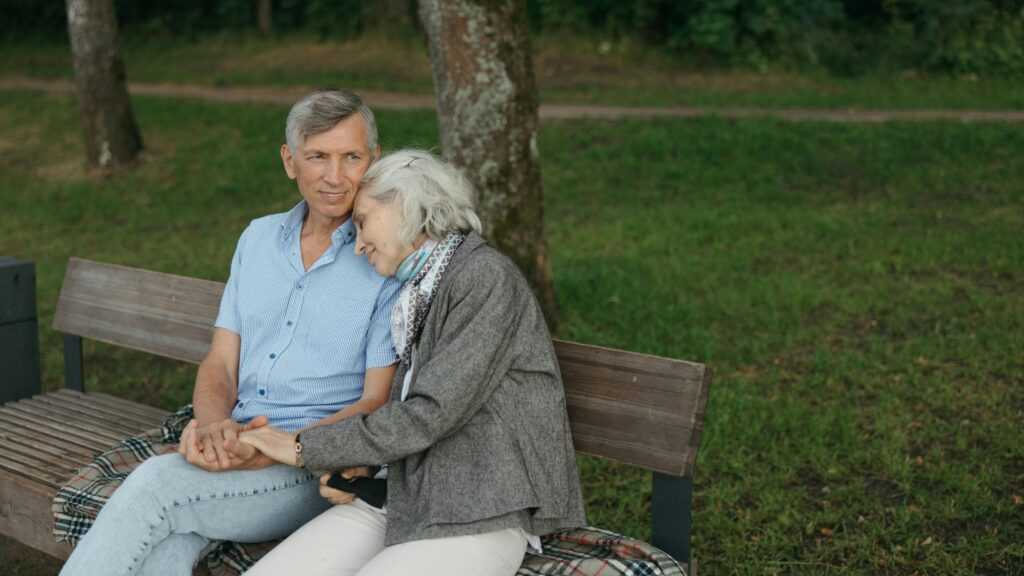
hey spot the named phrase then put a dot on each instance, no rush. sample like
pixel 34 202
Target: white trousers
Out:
pixel 348 539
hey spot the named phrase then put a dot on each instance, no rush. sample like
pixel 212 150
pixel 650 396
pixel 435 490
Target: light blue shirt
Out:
pixel 307 337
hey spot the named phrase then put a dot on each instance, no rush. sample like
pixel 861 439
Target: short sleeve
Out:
pixel 380 351
pixel 228 317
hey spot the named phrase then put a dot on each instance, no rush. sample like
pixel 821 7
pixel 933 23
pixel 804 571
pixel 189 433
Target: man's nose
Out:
pixel 360 247
pixel 334 171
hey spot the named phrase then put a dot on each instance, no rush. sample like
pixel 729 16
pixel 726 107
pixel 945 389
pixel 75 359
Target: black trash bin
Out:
pixel 19 330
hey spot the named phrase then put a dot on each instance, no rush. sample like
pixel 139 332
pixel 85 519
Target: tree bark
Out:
pixel 111 135
pixel 264 9
pixel 487 112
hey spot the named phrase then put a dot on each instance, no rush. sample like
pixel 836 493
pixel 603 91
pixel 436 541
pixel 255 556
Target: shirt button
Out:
pixel 272 355
pixel 263 392
pixel 289 323
pixel 299 285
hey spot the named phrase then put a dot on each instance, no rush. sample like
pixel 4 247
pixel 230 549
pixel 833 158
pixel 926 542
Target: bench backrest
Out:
pixel 638 409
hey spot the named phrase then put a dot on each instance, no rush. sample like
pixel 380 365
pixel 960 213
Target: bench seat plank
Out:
pixel 45 440
pixel 54 435
pixel 148 413
pixel 15 462
pixel 37 454
pixel 107 412
pixel 101 419
pixel 85 430
pixel 17 435
pixel 56 428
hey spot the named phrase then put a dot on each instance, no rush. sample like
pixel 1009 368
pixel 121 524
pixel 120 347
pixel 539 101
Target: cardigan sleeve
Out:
pixel 469 358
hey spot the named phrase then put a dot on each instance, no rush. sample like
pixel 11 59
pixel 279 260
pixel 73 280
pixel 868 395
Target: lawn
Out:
pixel 858 291
pixel 569 69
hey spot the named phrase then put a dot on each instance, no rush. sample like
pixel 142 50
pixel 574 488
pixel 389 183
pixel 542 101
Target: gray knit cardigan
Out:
pixel 482 441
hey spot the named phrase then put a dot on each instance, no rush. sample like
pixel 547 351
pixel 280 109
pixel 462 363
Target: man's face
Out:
pixel 328 166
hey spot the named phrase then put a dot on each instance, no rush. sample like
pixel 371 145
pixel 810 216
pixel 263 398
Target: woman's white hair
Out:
pixel 433 196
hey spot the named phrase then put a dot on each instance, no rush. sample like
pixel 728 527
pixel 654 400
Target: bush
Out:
pixel 843 36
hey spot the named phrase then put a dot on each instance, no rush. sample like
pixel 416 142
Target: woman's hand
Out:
pixel 276 444
pixel 337 496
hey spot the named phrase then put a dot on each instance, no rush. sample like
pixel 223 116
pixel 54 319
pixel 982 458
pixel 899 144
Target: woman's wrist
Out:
pixel 299 462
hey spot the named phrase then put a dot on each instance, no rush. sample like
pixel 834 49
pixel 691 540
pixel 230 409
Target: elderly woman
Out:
pixel 475 437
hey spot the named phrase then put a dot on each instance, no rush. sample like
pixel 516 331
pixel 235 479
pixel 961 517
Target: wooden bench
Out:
pixel 633 408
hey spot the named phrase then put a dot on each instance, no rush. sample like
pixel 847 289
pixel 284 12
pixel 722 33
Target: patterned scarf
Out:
pixel 410 312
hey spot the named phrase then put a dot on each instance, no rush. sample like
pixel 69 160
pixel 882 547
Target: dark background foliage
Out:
pixel 847 37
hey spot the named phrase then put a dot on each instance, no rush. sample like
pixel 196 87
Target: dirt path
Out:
pixel 396 101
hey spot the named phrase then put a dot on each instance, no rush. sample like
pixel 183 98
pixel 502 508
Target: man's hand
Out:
pixel 211 439
pixel 338 496
pixel 215 447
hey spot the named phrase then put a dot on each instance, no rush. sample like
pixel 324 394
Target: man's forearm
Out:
pixel 214 395
pixel 376 389
pixel 361 406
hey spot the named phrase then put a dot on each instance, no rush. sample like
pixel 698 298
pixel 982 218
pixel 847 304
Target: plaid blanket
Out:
pixel 579 552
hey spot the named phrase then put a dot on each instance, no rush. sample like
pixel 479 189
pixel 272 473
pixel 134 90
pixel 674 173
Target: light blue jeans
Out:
pixel 167 511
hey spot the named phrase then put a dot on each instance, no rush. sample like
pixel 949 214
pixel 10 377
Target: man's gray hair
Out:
pixel 322 110
pixel 434 197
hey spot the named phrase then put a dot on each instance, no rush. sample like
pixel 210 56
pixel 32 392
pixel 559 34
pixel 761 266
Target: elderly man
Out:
pixel 302 339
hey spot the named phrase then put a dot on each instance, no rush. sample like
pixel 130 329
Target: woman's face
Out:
pixel 377 238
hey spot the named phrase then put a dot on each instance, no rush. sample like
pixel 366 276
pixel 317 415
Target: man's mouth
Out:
pixel 332 196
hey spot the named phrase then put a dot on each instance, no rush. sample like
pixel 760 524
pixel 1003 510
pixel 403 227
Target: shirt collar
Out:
pixel 345 234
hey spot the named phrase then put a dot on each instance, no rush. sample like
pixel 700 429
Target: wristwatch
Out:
pixel 298 452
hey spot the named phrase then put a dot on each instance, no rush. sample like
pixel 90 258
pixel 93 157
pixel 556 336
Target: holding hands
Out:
pixel 280 446
pixel 215 446
pixel 228 445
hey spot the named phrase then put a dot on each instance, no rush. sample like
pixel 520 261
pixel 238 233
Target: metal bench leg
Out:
pixel 671 507
pixel 74 377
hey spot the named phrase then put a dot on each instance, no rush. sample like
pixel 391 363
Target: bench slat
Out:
pixel 159 313
pixel 638 409
pixel 96 429
pixel 96 438
pixel 148 413
pixel 15 435
pixel 88 401
pixel 70 441
pixel 29 454
pixel 125 423
pixel 96 422
pixel 16 462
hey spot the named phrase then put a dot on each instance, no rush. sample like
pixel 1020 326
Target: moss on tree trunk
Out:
pixel 487 110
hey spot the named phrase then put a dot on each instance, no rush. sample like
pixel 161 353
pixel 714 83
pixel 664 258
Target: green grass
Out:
pixel 858 291
pixel 568 69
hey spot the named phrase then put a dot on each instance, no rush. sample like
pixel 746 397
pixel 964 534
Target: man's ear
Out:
pixel 288 160
pixel 376 153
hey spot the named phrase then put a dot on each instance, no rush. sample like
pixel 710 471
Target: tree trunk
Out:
pixel 487 111
pixel 263 11
pixel 108 125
